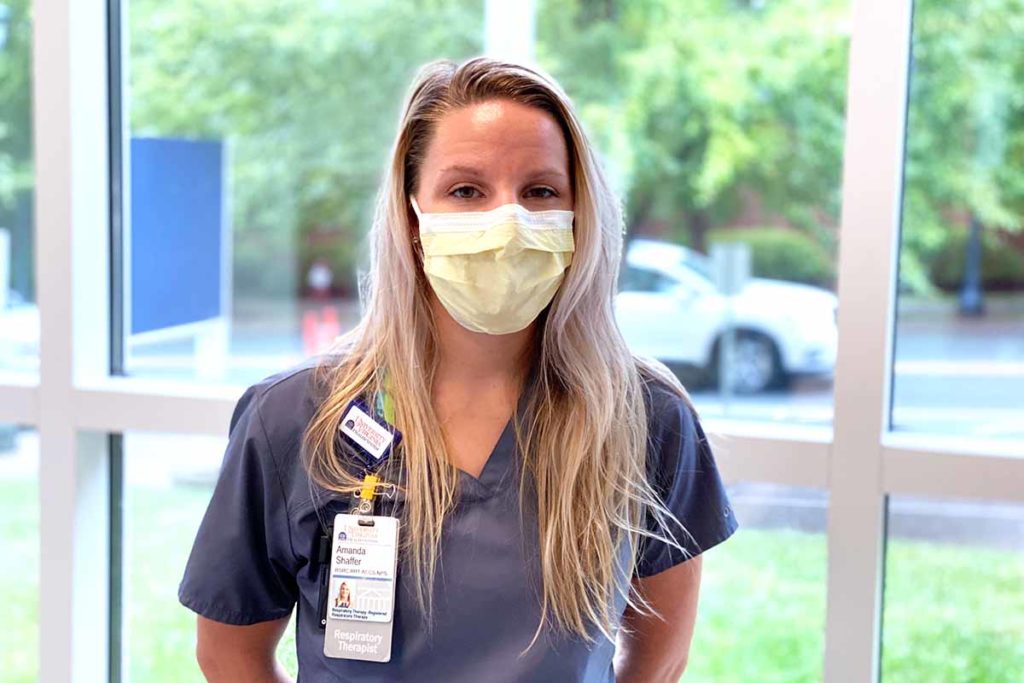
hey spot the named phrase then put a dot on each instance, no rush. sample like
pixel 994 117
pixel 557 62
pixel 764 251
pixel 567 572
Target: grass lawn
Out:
pixel 952 614
pixel 19 580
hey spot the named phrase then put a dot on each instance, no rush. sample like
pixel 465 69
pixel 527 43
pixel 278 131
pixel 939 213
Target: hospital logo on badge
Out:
pixel 367 433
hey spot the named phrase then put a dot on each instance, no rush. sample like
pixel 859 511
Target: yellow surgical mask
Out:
pixel 495 271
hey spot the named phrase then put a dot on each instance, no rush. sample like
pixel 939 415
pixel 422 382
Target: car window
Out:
pixel 635 279
pixel 699 263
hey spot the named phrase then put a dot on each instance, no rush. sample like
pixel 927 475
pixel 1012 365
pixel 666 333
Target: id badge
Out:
pixel 361 603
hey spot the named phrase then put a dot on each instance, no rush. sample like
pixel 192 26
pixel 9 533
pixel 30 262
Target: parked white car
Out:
pixel 669 308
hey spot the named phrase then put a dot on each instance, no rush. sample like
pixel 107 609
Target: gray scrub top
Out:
pixel 254 557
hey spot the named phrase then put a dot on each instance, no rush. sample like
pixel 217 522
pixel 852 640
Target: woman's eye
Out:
pixel 464 192
pixel 541 192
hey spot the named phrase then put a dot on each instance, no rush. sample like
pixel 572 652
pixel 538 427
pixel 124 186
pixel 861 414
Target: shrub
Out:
pixel 1002 267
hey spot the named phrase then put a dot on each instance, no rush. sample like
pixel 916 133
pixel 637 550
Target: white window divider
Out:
pixel 869 242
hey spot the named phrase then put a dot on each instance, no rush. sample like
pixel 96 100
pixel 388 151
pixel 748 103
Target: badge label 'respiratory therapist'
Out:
pixel 365 431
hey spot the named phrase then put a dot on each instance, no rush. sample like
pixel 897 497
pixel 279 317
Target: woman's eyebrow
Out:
pixel 461 169
pixel 544 172
pixel 548 173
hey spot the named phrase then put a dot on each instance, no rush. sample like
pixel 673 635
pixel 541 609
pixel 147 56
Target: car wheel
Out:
pixel 757 365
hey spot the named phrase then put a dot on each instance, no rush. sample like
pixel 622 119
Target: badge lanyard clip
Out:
pixel 364 506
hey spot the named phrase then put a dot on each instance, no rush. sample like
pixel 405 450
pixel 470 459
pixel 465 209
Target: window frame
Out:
pixel 75 404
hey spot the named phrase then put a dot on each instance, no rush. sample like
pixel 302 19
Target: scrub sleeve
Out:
pixel 682 470
pixel 242 567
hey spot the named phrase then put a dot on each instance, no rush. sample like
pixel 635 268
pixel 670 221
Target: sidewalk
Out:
pixel 999 305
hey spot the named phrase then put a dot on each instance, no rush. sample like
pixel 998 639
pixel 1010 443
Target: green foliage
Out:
pixel 953 614
pixel 15 108
pixel 782 254
pixel 1001 266
pixel 699 102
pixel 762 610
pixel 699 107
pixel 19 579
pixel 307 96
pixel 965 140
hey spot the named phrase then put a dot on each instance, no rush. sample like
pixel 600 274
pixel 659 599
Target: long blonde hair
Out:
pixel 587 406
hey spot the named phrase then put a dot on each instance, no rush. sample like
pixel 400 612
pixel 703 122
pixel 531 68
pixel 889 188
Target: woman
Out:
pixel 553 492
pixel 344 597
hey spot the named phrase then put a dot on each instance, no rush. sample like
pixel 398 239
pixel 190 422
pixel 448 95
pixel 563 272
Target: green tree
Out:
pixel 965 141
pixel 701 102
pixel 307 97
pixel 700 107
pixel 16 171
pixel 703 105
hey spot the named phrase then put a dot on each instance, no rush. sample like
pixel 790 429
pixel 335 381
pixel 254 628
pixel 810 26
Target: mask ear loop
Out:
pixel 419 214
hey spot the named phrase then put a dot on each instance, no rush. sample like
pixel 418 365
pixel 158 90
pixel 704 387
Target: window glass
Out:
pixel 19 317
pixel 258 132
pixel 959 353
pixel 954 608
pixel 722 123
pixel 762 603
pixel 168 481
pixel 19 546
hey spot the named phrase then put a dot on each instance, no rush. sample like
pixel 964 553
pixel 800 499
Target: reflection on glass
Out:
pixel 959 355
pixel 168 483
pixel 954 604
pixel 762 602
pixel 19 546
pixel 258 134
pixel 19 317
pixel 722 124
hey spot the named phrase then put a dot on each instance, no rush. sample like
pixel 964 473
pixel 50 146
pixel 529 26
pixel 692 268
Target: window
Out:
pixel 954 610
pixel 257 133
pixel 168 481
pixel 19 317
pixel 959 356
pixel 710 143
pixel 762 605
pixel 722 123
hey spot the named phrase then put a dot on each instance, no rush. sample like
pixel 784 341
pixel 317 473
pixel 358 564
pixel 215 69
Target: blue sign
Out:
pixel 178 232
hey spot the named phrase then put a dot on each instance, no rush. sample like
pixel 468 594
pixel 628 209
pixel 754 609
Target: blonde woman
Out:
pixel 344 596
pixel 553 492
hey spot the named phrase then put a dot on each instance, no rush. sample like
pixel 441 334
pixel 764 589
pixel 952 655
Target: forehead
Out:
pixel 496 132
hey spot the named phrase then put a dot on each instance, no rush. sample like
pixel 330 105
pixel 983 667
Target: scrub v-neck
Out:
pixel 496 467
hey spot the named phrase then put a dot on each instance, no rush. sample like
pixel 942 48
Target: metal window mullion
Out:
pixel 19 405
pixel 869 231
pixel 931 474
pixel 788 462
pixel 510 29
pixel 69 124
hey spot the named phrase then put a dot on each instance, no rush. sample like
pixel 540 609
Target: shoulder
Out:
pixel 285 383
pixel 283 403
pixel 669 406
pixel 677 446
pixel 683 473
